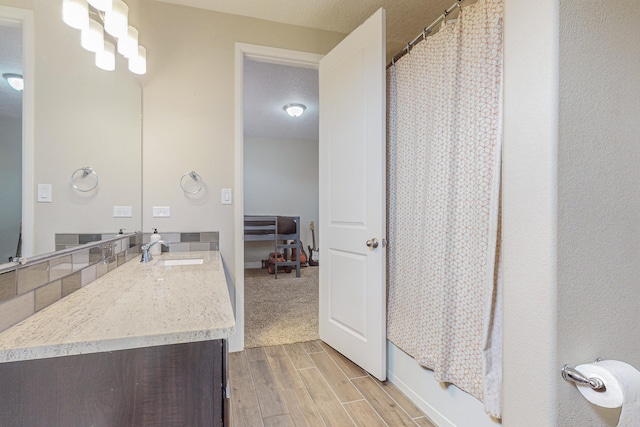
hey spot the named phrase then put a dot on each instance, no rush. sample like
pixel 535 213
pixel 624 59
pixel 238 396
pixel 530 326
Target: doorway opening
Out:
pixel 264 152
pixel 280 180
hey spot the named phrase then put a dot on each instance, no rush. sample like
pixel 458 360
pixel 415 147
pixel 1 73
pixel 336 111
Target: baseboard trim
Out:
pixel 253 264
pixel 434 416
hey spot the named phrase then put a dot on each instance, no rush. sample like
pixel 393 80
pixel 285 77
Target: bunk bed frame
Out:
pixel 265 228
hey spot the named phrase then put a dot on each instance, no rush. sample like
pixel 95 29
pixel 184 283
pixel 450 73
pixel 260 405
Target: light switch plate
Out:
pixel 226 196
pixel 44 193
pixel 122 211
pixel 161 211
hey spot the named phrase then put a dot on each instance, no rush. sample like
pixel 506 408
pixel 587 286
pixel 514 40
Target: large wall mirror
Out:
pixel 72 115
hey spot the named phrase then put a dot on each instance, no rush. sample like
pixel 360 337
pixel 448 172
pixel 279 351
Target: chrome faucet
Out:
pixel 146 253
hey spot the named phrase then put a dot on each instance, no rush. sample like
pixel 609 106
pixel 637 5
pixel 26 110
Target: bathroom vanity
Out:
pixel 142 345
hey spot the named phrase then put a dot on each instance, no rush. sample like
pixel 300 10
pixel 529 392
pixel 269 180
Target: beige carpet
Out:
pixel 282 310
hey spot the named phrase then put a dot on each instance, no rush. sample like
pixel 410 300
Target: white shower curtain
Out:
pixel 444 143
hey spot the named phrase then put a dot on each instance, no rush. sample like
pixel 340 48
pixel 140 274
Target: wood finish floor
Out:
pixel 310 384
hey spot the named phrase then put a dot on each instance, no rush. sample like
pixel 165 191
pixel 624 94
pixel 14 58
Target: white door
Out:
pixel 352 197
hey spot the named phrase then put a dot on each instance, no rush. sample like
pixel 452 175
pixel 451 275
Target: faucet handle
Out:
pixel 146 253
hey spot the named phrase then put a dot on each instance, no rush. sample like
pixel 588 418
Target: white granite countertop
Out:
pixel 136 305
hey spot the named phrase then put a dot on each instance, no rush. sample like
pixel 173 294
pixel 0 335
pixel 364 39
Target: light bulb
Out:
pixel 128 45
pixel 103 5
pixel 116 20
pixel 106 58
pixel 75 13
pixel 138 63
pixel 92 37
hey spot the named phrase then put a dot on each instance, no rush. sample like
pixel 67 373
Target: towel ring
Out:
pixel 197 178
pixel 83 173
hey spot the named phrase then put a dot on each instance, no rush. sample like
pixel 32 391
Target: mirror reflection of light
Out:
pixel 15 81
pixel 294 110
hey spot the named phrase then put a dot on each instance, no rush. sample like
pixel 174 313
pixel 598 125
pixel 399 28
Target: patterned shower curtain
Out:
pixel 444 143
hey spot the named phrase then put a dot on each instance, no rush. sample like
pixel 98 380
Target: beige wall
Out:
pixel 83 116
pixel 598 193
pixel 188 108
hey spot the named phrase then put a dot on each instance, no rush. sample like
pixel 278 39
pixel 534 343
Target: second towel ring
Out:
pixel 195 177
pixel 86 171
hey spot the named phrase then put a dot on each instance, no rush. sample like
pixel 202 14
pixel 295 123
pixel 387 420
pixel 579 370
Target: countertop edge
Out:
pixel 18 348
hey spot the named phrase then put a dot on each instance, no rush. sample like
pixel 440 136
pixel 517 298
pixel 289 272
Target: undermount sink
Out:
pixel 170 262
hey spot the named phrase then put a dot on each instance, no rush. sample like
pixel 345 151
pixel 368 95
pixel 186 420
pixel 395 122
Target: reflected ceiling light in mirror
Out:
pixel 92 37
pixel 101 5
pixel 106 57
pixel 294 110
pixel 138 63
pixel 128 45
pixel 116 21
pixel 15 81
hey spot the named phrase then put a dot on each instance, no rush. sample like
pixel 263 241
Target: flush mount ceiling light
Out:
pixel 104 24
pixel 294 110
pixel 15 81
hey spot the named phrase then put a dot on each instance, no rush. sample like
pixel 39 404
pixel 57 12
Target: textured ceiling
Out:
pixel 10 62
pixel 267 89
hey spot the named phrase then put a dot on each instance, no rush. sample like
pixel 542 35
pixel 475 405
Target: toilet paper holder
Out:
pixel 569 373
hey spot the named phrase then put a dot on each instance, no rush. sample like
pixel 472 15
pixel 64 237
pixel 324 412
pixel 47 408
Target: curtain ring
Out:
pixel 197 178
pixel 86 171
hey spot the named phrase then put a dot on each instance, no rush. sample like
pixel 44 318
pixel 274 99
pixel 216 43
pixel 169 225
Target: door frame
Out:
pixel 274 56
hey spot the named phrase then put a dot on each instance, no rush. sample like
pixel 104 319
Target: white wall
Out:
pixel 598 193
pixel 445 404
pixel 10 186
pixel 529 221
pixel 280 178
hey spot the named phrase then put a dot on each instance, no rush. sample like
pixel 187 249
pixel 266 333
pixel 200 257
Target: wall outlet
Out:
pixel 122 211
pixel 161 211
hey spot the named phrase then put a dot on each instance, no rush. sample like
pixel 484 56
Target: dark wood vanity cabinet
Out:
pixel 170 385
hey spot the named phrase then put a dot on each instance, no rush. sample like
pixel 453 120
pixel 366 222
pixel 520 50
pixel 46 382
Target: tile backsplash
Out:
pixel 27 289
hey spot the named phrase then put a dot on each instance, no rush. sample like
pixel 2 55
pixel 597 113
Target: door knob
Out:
pixel 373 243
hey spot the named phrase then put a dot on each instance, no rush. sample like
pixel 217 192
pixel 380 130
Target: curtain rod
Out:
pixel 423 35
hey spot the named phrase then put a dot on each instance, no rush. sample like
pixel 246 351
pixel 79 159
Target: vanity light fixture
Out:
pixel 106 57
pixel 94 18
pixel 101 5
pixel 92 36
pixel 15 81
pixel 75 13
pixel 116 20
pixel 138 63
pixel 294 110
